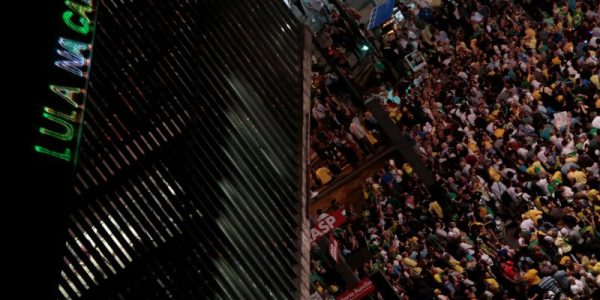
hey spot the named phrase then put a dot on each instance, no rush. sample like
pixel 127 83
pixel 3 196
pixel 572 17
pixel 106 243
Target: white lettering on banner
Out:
pixel 332 221
pixel 323 227
pixel 333 249
pixel 363 288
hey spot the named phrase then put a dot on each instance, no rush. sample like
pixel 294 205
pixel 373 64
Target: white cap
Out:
pixel 528 96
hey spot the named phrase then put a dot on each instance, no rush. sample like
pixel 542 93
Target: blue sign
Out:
pixel 381 13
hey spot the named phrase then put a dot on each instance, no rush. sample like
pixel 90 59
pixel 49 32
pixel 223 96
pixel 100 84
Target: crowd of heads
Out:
pixel 342 133
pixel 505 116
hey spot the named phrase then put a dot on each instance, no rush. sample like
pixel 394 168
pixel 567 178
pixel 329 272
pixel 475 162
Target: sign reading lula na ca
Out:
pixel 61 114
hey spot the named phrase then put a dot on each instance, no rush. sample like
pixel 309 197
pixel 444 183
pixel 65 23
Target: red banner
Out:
pixel 334 220
pixel 359 291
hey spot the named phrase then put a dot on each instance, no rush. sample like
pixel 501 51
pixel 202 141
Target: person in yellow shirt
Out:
pixel 493 116
pixel 409 262
pixel 593 194
pixel 499 132
pixel 437 274
pixel 556 60
pixel 531 277
pixel 571 158
pixel 395 115
pixel 456 265
pixel 577 176
pixel 536 168
pixel 494 174
pixel 529 40
pixel 472 145
pixel 580 177
pixel 320 289
pixel 537 202
pixel 537 95
pixel 407 168
pixel 473 45
pixel 491 283
pixel 534 215
pixel 334 288
pixel 434 207
pixel 556 177
pixel 324 175
pixel 487 143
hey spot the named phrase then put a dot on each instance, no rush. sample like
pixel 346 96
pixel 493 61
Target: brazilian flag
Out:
pixel 577 18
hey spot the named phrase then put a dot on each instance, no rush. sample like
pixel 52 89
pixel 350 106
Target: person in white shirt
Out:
pixel 359 131
pixel 319 111
pixel 541 155
pixel 527 225
pixel 523 152
pixel 498 188
pixel 596 122
pixel 454 232
pixel 543 185
pixel 401 219
pixel 568 147
pixel 577 286
pixel 513 191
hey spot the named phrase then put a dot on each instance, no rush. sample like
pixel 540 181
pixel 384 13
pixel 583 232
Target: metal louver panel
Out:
pixel 188 182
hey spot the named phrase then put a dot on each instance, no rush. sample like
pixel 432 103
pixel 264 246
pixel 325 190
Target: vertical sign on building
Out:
pixel 56 104
pixel 61 114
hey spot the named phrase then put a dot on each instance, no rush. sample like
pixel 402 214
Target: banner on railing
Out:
pixel 359 291
pixel 334 220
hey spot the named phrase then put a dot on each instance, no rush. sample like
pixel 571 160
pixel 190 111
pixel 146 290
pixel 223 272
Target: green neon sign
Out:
pixel 66 155
pixel 73 117
pixel 60 131
pixel 84 28
pixel 67 93
pixel 82 11
pixel 68 133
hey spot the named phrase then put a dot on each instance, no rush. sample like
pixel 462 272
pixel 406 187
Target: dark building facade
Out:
pixel 188 149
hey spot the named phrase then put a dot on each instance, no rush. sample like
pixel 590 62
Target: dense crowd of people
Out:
pixel 342 133
pixel 505 115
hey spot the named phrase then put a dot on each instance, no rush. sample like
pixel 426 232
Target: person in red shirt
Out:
pixel 509 271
